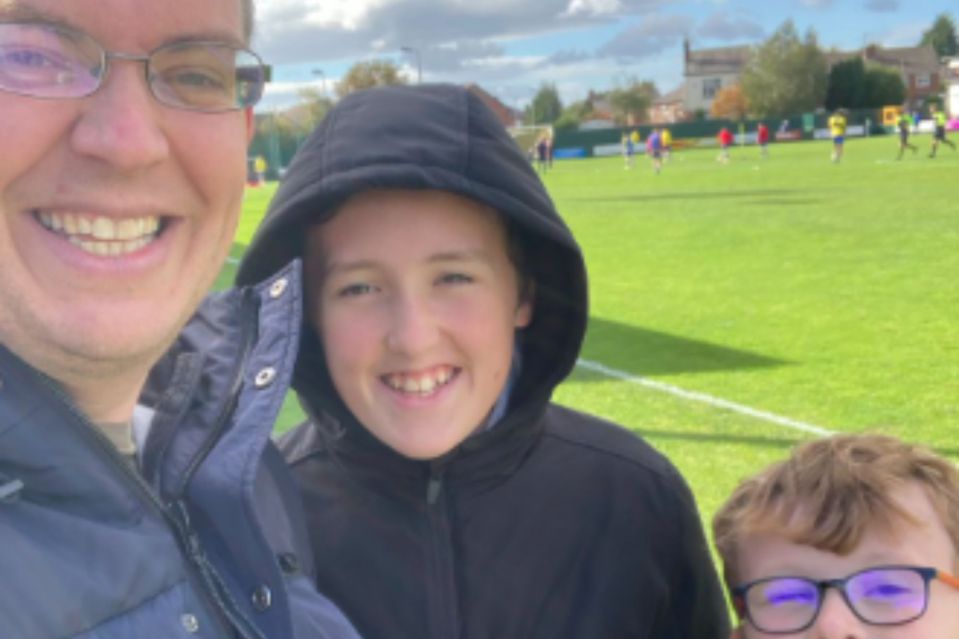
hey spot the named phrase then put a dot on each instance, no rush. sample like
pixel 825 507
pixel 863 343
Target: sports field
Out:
pixel 738 309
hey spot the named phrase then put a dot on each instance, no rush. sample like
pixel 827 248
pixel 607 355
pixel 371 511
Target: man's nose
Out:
pixel 121 123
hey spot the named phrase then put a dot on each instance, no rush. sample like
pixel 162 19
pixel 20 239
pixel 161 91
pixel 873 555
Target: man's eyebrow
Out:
pixel 25 13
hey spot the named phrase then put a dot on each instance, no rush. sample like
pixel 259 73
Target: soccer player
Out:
pixel 939 119
pixel 629 150
pixel 126 514
pixel 654 149
pixel 851 537
pixel 837 130
pixel 904 124
pixel 762 138
pixel 725 137
pixel 446 299
pixel 667 140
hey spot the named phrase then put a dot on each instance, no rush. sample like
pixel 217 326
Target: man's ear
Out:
pixel 250 124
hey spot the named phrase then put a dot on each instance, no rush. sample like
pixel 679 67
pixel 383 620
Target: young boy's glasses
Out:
pixel 881 596
pixel 51 61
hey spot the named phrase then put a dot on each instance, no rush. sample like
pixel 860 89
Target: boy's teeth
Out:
pixel 419 384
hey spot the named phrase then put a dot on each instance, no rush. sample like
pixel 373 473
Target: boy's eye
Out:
pixel 354 290
pixel 455 278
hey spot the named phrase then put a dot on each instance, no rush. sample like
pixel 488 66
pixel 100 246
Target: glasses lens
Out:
pixel 206 77
pixel 787 604
pixel 48 62
pixel 887 595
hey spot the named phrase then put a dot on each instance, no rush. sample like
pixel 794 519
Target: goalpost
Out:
pixel 526 136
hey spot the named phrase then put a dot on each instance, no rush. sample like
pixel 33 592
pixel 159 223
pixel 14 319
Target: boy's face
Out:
pixel 926 545
pixel 416 302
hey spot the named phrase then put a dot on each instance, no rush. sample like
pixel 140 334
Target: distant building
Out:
pixel 951 81
pixel 706 71
pixel 669 108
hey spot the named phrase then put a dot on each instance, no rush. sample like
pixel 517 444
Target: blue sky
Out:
pixel 511 47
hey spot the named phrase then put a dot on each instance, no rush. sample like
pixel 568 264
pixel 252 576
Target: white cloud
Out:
pixel 722 26
pixel 882 6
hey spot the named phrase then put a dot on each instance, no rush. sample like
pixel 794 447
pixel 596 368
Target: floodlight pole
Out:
pixel 419 62
pixel 319 73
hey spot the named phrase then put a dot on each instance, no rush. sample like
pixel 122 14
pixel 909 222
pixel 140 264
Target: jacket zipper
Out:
pixel 175 514
pixel 443 595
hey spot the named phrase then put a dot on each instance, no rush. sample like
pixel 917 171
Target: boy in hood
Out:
pixel 446 299
pixel 868 516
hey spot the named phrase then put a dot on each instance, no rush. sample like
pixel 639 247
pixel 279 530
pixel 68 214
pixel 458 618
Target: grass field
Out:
pixel 823 294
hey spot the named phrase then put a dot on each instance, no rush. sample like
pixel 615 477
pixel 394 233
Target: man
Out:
pixel 119 196
pixel 869 516
pixel 446 298
pixel 904 123
pixel 939 119
pixel 837 129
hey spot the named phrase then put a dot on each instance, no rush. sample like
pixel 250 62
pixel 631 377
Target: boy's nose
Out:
pixel 836 620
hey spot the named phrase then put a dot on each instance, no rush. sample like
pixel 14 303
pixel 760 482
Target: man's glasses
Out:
pixel 50 61
pixel 880 596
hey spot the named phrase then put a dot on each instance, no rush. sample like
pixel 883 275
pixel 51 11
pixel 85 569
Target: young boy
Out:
pixel 905 123
pixel 868 516
pixel 446 299
pixel 837 130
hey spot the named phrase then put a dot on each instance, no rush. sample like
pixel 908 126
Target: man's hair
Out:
pixel 830 491
pixel 248 18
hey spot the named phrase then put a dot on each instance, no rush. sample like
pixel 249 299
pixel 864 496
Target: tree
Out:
pixel 730 104
pixel 546 106
pixel 573 115
pixel 365 75
pixel 942 36
pixel 847 85
pixel 317 105
pixel 785 74
pixel 883 87
pixel 631 102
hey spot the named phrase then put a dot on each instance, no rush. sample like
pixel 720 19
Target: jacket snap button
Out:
pixel 289 563
pixel 262 598
pixel 278 287
pixel 190 623
pixel 265 377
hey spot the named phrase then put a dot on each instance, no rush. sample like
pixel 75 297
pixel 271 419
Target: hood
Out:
pixel 440 137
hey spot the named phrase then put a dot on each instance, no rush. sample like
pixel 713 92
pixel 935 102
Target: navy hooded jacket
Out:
pixel 550 525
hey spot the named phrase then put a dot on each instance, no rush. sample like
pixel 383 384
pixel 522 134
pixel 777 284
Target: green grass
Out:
pixel 824 293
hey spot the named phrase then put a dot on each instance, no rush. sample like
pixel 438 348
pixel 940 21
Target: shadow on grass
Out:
pixel 784 195
pixel 643 352
pixel 784 443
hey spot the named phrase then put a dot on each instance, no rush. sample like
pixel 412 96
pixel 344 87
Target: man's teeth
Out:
pixel 422 384
pixel 103 236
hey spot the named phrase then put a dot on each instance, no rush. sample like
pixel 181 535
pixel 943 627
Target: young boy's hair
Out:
pixel 830 491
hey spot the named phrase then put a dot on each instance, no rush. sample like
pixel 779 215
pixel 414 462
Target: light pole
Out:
pixel 320 74
pixel 419 62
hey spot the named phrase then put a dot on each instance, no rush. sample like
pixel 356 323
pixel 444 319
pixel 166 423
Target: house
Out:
pixel 669 108
pixel 706 71
pixel 919 68
pixel 952 87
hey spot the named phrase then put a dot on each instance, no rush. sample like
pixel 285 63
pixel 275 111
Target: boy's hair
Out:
pixel 830 491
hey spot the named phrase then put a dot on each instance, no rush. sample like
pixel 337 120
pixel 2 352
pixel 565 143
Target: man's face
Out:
pixel 116 211
pixel 417 303
pixel 927 544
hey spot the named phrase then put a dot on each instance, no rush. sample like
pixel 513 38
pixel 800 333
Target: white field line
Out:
pixel 696 396
pixel 232 260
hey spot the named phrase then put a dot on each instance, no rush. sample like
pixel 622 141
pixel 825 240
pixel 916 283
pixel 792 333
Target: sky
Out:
pixel 512 47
